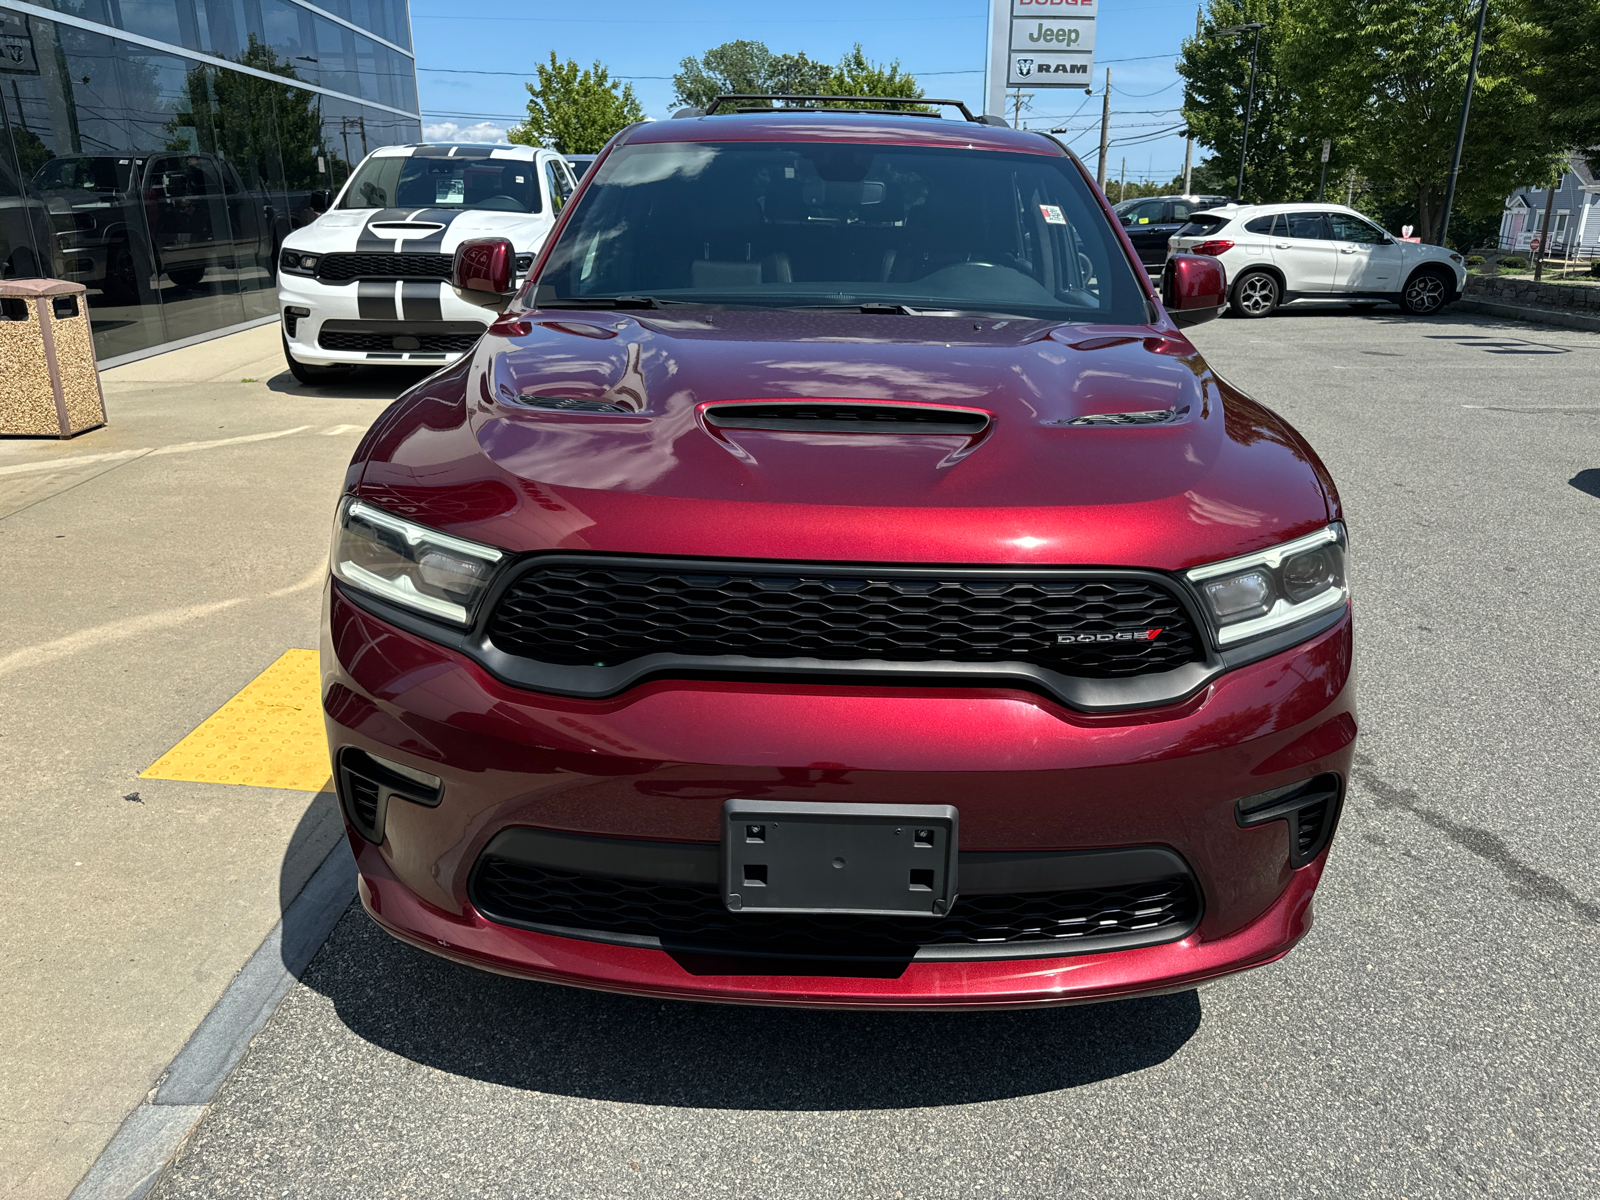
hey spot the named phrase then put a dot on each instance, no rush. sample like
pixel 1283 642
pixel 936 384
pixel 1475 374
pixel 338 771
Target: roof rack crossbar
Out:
pixel 733 99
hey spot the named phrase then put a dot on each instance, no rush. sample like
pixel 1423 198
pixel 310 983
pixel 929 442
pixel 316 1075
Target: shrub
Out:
pixel 1514 262
pixel 1594 268
pixel 1474 260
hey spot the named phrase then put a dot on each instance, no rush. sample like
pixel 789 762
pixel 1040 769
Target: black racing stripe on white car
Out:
pixel 375 300
pixel 371 241
pixel 420 301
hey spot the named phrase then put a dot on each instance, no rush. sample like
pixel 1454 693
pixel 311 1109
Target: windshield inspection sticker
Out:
pixel 450 191
pixel 1053 214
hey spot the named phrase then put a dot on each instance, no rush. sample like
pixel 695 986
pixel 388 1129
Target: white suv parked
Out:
pixel 1277 253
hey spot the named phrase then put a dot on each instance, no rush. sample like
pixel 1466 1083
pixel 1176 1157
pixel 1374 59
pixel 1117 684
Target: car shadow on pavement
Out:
pixel 363 383
pixel 599 1046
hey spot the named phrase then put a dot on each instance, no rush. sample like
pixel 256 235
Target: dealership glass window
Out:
pixel 162 184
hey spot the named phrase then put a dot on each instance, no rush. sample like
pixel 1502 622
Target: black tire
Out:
pixel 1426 292
pixel 121 284
pixel 186 277
pixel 1256 294
pixel 311 374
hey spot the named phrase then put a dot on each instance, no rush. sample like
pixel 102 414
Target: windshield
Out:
pixel 795 224
pixel 492 184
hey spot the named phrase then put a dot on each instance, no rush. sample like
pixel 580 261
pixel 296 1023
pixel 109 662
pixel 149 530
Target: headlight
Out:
pixel 297 263
pixel 409 564
pixel 1272 589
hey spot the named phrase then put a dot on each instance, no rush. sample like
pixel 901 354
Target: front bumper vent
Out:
pixel 367 784
pixel 1311 810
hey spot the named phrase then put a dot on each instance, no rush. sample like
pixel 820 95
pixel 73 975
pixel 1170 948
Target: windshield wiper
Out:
pixel 894 308
pixel 603 302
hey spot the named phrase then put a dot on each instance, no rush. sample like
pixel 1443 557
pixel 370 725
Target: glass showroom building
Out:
pixel 158 151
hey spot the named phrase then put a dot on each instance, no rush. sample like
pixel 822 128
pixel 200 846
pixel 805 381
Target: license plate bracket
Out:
pixel 864 859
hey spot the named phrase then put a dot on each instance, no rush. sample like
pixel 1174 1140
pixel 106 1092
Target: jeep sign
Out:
pixel 1040 43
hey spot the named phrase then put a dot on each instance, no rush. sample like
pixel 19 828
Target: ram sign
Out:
pixel 1046 43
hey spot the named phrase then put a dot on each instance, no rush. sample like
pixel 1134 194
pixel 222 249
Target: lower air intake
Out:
pixel 691 917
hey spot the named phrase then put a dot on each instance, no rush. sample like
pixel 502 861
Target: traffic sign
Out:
pixel 1040 43
pixel 1327 148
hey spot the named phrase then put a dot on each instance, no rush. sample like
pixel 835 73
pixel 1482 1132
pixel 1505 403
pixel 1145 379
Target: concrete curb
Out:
pixel 1523 312
pixel 132 1162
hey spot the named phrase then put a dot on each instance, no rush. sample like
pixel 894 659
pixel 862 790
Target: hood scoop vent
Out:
pixel 828 416
pixel 1154 416
pixel 570 404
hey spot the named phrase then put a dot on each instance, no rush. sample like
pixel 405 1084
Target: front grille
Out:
pixel 338 268
pixel 1081 624
pixel 425 343
pixel 692 917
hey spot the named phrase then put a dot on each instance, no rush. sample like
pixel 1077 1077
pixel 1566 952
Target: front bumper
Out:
pixel 377 321
pixel 658 761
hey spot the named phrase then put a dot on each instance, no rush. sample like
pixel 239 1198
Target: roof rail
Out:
pixel 742 102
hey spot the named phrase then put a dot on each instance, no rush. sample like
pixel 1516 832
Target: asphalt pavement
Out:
pixel 1436 1035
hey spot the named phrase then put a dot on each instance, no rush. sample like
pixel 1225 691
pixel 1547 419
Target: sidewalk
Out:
pixel 153 568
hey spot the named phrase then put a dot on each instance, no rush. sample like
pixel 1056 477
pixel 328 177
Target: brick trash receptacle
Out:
pixel 49 384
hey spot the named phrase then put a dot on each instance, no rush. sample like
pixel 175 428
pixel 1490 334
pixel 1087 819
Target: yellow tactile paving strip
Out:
pixel 269 735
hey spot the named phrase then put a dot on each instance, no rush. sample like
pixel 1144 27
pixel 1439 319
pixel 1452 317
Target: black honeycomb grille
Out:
pixel 602 614
pixel 692 917
pixel 338 268
pixel 426 343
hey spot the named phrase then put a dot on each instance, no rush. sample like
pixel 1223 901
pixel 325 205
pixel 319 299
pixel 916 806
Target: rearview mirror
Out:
pixel 1193 288
pixel 484 272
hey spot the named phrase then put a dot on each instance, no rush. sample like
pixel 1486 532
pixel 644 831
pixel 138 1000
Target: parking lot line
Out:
pixel 269 735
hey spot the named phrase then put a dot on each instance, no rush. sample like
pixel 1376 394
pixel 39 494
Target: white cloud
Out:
pixel 449 131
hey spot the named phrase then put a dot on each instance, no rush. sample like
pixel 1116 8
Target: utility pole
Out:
pixel 1544 233
pixel 1350 188
pixel 1105 134
pixel 1122 185
pixel 1461 129
pixel 1188 134
pixel 1254 27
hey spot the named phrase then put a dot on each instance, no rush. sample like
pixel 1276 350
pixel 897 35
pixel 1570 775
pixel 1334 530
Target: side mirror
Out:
pixel 1193 288
pixel 320 201
pixel 485 272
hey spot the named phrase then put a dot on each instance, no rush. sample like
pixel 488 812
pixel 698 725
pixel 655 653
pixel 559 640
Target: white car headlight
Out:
pixel 1275 588
pixel 409 564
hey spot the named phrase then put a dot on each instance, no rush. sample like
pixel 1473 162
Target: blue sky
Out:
pixel 940 41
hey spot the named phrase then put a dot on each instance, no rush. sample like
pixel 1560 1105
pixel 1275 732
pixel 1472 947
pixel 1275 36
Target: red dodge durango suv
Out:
pixel 835 580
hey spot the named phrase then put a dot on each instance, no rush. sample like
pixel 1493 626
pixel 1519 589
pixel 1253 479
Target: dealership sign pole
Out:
pixel 1039 43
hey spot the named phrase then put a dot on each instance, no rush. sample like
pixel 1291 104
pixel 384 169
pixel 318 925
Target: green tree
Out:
pixel 745 68
pixel 575 111
pixel 254 122
pixel 1563 43
pixel 1391 74
pixel 858 75
pixel 1280 165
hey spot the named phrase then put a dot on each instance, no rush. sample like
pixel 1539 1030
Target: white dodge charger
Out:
pixel 369 280
pixel 1277 253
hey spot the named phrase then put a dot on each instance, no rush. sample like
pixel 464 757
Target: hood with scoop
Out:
pixel 845 437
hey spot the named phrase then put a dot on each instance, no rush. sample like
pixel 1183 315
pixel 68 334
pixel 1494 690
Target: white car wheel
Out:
pixel 1256 294
pixel 1426 293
